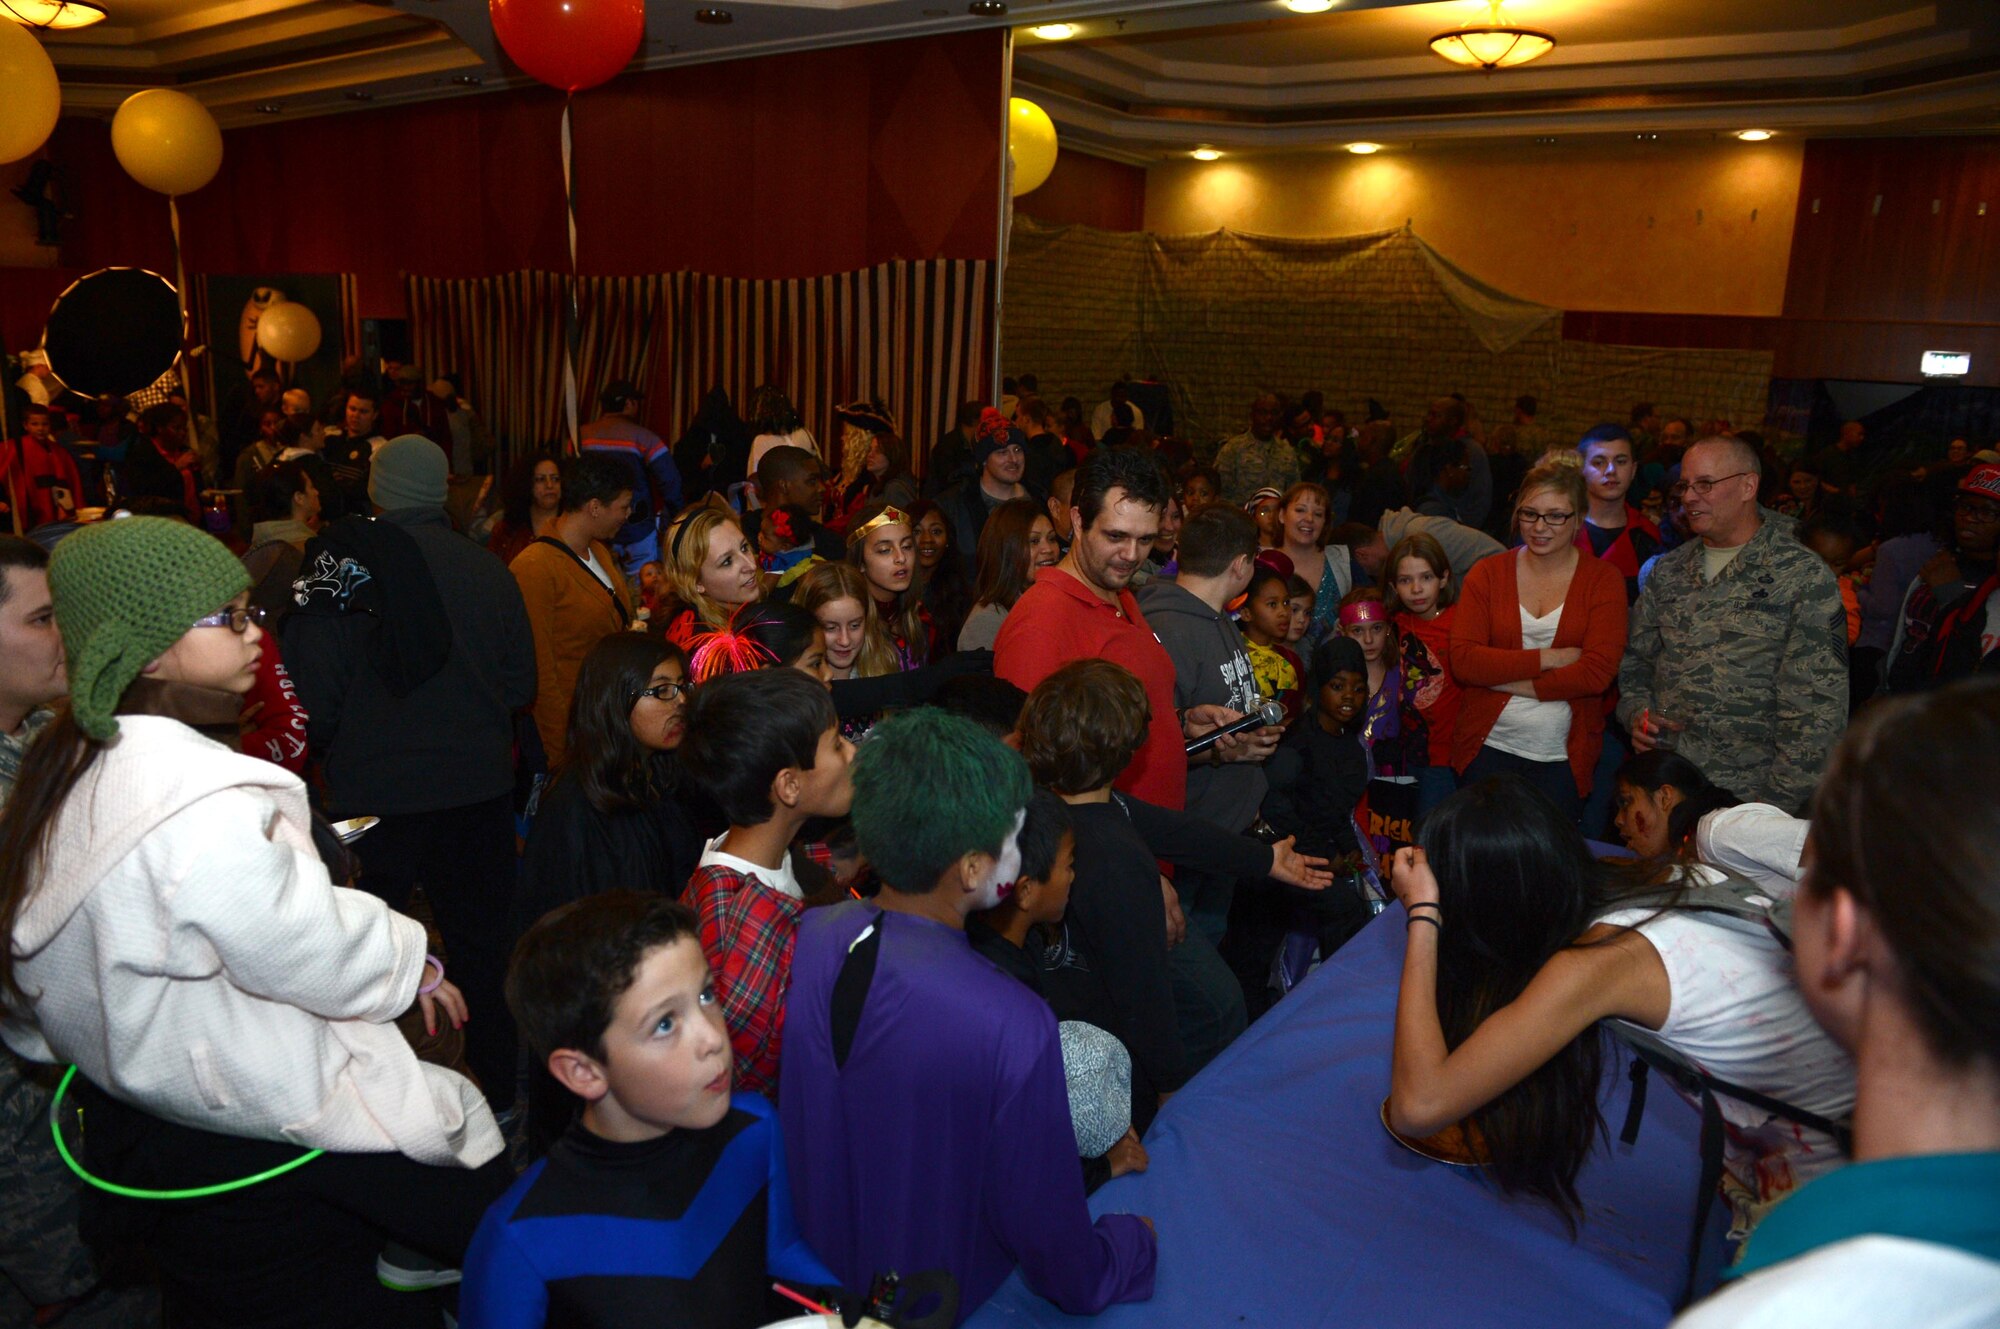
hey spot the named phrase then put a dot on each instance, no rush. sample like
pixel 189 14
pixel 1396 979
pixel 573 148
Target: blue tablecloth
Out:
pixel 1282 1203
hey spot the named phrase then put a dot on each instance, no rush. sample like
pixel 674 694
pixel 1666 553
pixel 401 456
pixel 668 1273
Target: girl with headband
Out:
pixel 884 549
pixel 711 570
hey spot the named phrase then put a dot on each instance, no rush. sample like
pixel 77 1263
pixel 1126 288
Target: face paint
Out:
pixel 1006 869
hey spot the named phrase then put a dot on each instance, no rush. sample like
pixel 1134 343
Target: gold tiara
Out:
pixel 890 516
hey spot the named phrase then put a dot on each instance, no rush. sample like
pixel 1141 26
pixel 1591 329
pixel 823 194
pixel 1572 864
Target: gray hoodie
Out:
pixel 1210 667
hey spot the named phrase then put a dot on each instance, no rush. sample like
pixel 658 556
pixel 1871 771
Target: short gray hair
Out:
pixel 1741 454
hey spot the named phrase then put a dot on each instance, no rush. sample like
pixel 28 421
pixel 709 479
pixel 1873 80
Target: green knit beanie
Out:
pixel 125 591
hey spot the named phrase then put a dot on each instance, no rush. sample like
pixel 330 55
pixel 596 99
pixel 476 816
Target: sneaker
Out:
pixel 401 1269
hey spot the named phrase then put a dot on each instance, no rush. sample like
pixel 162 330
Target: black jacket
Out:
pixel 575 850
pixel 448 743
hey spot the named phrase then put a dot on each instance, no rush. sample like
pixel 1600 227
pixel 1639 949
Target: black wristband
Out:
pixel 1424 918
pixel 1423 904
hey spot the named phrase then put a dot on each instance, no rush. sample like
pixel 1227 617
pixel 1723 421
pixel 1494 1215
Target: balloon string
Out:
pixel 572 323
pixel 180 298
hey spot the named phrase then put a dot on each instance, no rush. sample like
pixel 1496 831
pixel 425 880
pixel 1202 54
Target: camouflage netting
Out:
pixel 1225 315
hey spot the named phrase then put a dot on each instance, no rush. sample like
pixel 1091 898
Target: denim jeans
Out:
pixel 1553 778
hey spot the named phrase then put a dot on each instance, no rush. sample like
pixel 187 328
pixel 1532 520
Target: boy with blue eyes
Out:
pixel 667 1201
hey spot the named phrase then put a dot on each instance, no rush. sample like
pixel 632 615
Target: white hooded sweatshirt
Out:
pixel 186 949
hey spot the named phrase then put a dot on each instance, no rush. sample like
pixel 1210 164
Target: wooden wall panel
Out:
pixel 1904 229
pixel 1089 191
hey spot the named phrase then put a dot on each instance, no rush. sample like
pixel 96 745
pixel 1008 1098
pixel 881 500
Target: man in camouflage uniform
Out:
pixel 1257 458
pixel 1737 655
pixel 46 1274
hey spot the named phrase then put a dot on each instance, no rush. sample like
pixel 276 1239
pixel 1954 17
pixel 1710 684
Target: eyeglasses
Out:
pixel 663 692
pixel 236 620
pixel 1979 511
pixel 1701 488
pixel 1530 517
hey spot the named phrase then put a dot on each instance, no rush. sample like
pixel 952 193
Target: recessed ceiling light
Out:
pixel 1309 6
pixel 1206 154
pixel 269 108
pixel 1646 138
pixel 1546 140
pixel 1054 32
pixel 986 8
pixel 468 80
pixel 356 95
pixel 1364 149
pixel 715 16
pixel 1753 135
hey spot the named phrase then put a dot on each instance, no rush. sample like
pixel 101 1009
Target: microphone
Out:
pixel 1271 713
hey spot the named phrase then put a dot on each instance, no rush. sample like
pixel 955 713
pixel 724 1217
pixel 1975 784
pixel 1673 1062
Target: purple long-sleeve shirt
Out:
pixel 944 1141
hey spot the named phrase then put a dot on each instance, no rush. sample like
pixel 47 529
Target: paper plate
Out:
pixel 1458 1146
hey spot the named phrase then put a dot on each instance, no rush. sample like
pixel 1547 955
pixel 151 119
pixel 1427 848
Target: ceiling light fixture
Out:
pixel 270 108
pixel 1054 32
pixel 1364 149
pixel 55 15
pixel 1309 6
pixel 1495 44
pixel 356 95
pixel 468 80
pixel 987 8
pixel 1753 135
pixel 1206 154
pixel 715 16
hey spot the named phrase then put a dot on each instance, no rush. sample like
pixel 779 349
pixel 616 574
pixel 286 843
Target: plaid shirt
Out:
pixel 747 932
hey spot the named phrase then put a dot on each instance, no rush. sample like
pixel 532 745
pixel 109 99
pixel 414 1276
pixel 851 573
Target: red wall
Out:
pixel 1091 191
pixel 784 166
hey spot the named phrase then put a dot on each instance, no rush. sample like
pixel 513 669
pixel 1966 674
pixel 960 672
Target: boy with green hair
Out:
pixel 923 1097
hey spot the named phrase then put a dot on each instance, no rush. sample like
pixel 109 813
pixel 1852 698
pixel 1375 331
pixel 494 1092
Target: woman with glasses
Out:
pixel 227 1007
pixel 1535 648
pixel 611 817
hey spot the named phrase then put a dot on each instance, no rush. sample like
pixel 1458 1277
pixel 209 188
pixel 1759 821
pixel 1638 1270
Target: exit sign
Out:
pixel 1947 364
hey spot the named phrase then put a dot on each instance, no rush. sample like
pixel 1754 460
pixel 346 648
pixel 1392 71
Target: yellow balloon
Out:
pixel 167 141
pixel 32 100
pixel 288 331
pixel 1031 141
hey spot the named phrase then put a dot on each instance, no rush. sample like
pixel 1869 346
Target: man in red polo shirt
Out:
pixel 1082 609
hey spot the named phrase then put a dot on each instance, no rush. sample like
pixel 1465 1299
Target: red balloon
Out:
pixel 569 44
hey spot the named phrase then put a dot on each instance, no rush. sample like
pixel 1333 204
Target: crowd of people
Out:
pixel 585 894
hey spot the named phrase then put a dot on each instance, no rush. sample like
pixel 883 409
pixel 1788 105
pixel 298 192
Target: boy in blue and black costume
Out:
pixel 666 1202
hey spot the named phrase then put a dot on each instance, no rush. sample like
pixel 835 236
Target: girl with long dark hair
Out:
pixel 1520 943
pixel 530 495
pixel 611 818
pixel 1019 540
pixel 939 583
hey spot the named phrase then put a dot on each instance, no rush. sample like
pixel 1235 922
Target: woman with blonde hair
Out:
pixel 1305 518
pixel 836 595
pixel 711 571
pixel 1535 647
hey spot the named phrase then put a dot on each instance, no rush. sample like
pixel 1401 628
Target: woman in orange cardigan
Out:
pixel 1535 647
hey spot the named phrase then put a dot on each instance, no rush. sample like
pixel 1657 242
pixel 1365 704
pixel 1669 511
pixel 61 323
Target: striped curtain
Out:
pixel 914 333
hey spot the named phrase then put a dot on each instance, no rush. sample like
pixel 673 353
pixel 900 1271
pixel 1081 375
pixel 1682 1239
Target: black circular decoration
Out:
pixel 114 332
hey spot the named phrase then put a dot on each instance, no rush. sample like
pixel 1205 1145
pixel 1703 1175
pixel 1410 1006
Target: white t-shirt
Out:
pixel 1756 841
pixel 780 879
pixel 1735 1011
pixel 1530 727
pixel 1861 1283
pixel 596 568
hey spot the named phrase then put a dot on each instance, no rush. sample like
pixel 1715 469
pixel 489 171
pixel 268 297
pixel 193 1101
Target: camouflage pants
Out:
pixel 42 1261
